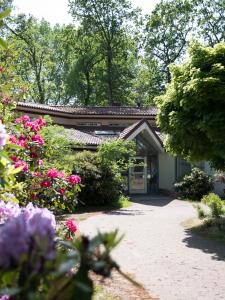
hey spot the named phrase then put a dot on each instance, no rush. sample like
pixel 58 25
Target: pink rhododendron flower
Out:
pixel 13 139
pixel 61 174
pixel 38 139
pixel 34 155
pixel 17 121
pixel 22 143
pixel 21 164
pixel 61 191
pixel 28 124
pixel 22 137
pixel 71 225
pixel 35 127
pixel 40 162
pixel 73 179
pixel 25 118
pixel 13 158
pixel 41 122
pixel 53 173
pixel 2 69
pixel 6 100
pixel 46 184
pixel 36 174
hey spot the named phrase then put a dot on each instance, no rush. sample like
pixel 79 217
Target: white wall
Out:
pixel 218 186
pixel 166 171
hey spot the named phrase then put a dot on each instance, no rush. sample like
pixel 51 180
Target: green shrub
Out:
pixel 194 186
pixel 201 212
pixel 215 204
pixel 103 172
pixel 101 185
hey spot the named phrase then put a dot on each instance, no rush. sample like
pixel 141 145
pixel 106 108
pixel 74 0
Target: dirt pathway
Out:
pixel 171 262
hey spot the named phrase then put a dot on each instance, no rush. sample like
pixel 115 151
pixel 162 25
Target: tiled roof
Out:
pixel 83 138
pixel 127 130
pixel 93 110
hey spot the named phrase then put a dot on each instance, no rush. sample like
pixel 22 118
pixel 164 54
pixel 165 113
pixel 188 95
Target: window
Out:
pixel 119 124
pixel 89 124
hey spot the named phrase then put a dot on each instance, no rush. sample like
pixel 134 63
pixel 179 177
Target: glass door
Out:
pixel 138 177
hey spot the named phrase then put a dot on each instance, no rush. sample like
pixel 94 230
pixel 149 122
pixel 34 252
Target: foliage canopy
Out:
pixel 192 111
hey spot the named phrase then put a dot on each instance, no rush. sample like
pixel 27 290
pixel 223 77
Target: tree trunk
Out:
pixel 88 91
pixel 109 74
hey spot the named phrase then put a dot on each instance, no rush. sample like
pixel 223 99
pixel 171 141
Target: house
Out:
pixel 155 171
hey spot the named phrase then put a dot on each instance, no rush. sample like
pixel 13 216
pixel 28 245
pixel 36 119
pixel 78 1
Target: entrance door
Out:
pixel 138 177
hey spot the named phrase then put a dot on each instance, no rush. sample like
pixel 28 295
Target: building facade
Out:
pixel 155 170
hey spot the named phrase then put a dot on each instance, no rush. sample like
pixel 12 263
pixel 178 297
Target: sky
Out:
pixel 56 11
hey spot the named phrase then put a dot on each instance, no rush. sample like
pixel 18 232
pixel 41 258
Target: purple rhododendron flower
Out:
pixel 14 241
pixel 30 210
pixel 4 297
pixel 3 135
pixel 8 210
pixel 30 234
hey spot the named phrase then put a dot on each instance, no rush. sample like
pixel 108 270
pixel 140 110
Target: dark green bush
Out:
pixel 194 186
pixel 101 185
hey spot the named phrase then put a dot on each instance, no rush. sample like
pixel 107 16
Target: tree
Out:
pixel 167 32
pixel 148 83
pixel 45 58
pixel 192 111
pixel 211 20
pixel 110 20
pixel 81 80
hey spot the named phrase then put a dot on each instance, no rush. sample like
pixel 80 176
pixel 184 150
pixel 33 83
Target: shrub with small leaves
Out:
pixel 194 186
pixel 215 204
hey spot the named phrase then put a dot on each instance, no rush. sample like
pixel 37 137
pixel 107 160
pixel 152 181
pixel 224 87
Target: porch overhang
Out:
pixel 144 126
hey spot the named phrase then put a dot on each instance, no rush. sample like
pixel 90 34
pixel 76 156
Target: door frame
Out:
pixel 145 190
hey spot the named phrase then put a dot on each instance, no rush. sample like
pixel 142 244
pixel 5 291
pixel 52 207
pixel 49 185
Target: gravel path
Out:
pixel 171 262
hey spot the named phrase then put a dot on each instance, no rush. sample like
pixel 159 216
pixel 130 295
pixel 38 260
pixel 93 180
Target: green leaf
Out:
pixel 5 13
pixel 3 43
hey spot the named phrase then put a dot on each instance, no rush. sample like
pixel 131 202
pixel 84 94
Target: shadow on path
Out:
pixel 125 212
pixel 153 200
pixel 216 249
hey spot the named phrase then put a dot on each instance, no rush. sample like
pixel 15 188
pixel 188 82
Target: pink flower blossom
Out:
pixel 73 179
pixel 13 158
pixel 6 100
pixel 38 139
pixel 22 137
pixel 2 69
pixel 18 121
pixel 61 191
pixel 41 122
pixel 61 174
pixel 28 124
pixel 71 225
pixel 25 119
pixel 21 164
pixel 40 162
pixel 53 173
pixel 34 155
pixel 46 184
pixel 13 139
pixel 36 174
pixel 22 143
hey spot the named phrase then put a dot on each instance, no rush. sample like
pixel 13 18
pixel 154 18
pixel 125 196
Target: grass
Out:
pixel 102 294
pixel 123 202
pixel 83 212
pixel 213 229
